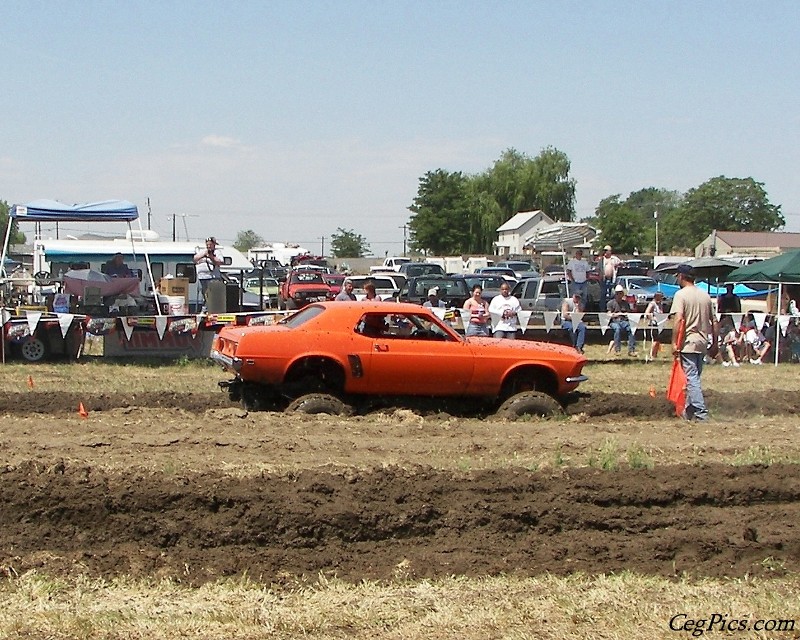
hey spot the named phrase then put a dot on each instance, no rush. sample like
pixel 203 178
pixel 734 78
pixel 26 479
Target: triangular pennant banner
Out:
pixel 737 320
pixel 759 318
pixel 128 327
pixel 33 319
pixel 633 320
pixel 576 319
pixel 439 312
pixel 524 318
pixel 161 326
pixel 661 320
pixel 6 315
pixel 718 315
pixel 549 319
pixel 783 323
pixel 465 313
pixel 604 319
pixel 496 317
pixel 65 322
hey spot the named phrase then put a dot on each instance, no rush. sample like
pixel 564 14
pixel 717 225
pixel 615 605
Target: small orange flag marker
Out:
pixel 82 411
pixel 30 382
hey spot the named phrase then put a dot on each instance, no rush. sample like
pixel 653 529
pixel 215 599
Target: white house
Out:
pixel 512 233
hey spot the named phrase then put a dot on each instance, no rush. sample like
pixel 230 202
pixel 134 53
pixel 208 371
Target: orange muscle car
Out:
pixel 331 357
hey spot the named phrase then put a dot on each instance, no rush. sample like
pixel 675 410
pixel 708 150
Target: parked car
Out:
pixel 411 269
pixel 521 268
pixel 640 291
pixel 268 288
pixel 452 289
pixel 301 287
pixel 386 286
pixel 548 292
pixel 336 356
pixel 507 272
pixel 334 281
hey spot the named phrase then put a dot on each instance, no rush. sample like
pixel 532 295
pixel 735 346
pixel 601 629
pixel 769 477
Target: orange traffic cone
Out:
pixel 82 411
pixel 30 382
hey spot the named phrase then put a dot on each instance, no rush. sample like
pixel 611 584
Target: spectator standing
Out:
pixel 346 294
pixel 577 270
pixel 433 301
pixel 693 310
pixel 728 303
pixel 506 307
pixel 370 293
pixel 619 308
pixel 207 263
pixel 577 331
pixel 609 265
pixel 655 307
pixel 478 308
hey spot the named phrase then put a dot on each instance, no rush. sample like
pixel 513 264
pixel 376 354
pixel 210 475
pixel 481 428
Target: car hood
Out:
pixel 533 347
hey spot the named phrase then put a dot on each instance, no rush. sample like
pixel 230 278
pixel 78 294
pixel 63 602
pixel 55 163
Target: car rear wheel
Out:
pixel 529 403
pixel 312 403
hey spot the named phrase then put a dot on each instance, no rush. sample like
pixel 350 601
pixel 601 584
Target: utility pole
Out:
pixel 149 214
pixel 655 217
pixel 405 236
pixel 322 252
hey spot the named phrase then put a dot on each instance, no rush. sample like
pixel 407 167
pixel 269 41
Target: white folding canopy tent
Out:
pixel 105 211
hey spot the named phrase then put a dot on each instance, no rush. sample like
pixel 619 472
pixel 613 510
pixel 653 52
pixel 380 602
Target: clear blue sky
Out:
pixel 296 118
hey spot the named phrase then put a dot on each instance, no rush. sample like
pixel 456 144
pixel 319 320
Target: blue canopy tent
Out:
pixel 53 211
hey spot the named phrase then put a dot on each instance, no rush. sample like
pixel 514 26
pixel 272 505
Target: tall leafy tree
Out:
pixel 16 237
pixel 621 225
pixel 441 220
pixel 246 240
pixel 729 204
pixel 346 243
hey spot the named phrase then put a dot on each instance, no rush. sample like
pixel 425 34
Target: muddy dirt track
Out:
pixel 187 486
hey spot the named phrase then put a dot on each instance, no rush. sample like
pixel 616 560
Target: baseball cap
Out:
pixel 619 288
pixel 433 292
pixel 607 247
pixel 685 269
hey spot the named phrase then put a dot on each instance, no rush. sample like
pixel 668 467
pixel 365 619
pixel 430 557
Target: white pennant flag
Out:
pixel 65 322
pixel 6 315
pixel 576 319
pixel 549 319
pixel 199 319
pixel 128 328
pixel 33 319
pixel 661 320
pixel 496 317
pixel 759 318
pixel 737 320
pixel 439 312
pixel 783 322
pixel 718 316
pixel 633 320
pixel 524 318
pixel 604 319
pixel 161 326
pixel 465 314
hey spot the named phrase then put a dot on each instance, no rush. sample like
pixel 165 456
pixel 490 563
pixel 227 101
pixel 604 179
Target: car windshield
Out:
pixel 486 282
pixel 641 283
pixel 254 282
pixel 446 287
pixel 307 277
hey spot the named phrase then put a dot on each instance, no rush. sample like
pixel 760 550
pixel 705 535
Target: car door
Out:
pixel 525 291
pixel 405 360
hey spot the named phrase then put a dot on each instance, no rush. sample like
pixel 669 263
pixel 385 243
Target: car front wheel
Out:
pixel 312 403
pixel 529 403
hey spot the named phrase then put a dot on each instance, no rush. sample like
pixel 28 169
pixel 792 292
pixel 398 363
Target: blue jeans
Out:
pixel 606 292
pixel 475 329
pixel 578 335
pixel 579 287
pixel 620 326
pixel 510 335
pixel 692 364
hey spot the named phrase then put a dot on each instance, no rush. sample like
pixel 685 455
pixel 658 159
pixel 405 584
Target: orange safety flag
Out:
pixel 676 389
pixel 30 382
pixel 82 411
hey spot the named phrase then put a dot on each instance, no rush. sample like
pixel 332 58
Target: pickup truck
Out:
pixel 301 287
pixel 548 292
pixel 390 264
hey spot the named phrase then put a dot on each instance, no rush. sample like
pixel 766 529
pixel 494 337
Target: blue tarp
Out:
pixel 52 211
pixel 740 290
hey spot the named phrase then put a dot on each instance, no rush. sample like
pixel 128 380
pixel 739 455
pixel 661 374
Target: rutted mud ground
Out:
pixel 187 486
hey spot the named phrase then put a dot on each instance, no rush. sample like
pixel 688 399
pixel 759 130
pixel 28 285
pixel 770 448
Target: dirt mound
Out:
pixel 67 518
pixel 774 402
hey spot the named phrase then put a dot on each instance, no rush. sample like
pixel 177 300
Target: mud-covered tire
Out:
pixel 529 403
pixel 313 403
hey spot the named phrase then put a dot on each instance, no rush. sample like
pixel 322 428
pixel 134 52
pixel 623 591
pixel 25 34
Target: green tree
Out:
pixel 621 226
pixel 348 244
pixel 441 222
pixel 246 240
pixel 16 237
pixel 727 204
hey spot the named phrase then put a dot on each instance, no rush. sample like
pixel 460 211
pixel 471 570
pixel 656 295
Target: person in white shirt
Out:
pixel 577 268
pixel 207 262
pixel 434 301
pixel 608 263
pixel 506 307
